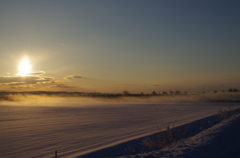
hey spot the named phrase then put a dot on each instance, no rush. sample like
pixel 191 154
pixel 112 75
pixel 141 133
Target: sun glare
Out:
pixel 24 67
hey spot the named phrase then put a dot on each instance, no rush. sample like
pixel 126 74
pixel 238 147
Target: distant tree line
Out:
pixel 3 94
pixel 229 90
pixel 154 93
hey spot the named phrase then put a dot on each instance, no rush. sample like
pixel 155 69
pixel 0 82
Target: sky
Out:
pixel 111 46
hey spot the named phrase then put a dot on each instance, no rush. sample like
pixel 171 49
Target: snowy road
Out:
pixel 37 131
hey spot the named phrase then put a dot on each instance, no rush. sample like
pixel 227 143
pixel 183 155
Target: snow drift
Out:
pixel 219 141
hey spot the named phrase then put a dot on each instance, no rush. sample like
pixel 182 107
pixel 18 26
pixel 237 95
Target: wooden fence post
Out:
pixel 55 153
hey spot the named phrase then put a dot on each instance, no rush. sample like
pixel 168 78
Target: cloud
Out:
pixel 36 73
pixel 22 86
pixel 49 78
pixel 63 86
pixel 15 83
pixel 7 80
pixel 33 79
pixel 31 73
pixel 156 85
pixel 73 77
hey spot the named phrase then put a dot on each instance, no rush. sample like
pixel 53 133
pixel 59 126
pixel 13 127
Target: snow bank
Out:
pixel 220 141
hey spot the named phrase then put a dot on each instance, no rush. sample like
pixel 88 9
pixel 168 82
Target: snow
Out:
pixel 220 140
pixel 37 129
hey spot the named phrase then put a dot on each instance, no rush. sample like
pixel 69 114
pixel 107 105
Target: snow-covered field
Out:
pixel 37 129
pixel 219 141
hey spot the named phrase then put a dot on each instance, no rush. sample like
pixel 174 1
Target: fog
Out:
pixel 62 100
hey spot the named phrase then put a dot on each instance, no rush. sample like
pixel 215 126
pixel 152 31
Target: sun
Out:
pixel 24 67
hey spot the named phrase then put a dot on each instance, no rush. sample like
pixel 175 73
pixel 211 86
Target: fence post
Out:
pixel 55 153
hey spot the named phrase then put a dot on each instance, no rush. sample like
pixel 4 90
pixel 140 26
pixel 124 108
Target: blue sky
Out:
pixel 117 45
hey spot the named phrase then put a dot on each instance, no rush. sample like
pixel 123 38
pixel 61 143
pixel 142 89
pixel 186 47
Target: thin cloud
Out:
pixel 73 77
pixel 33 79
pixel 22 79
pixel 49 78
pixel 21 86
pixel 36 73
pixel 57 81
pixel 31 73
pixel 63 86
pixel 16 83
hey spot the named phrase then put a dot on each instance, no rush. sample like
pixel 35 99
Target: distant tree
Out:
pixel 185 93
pixel 164 93
pixel 215 91
pixel 203 92
pixel 154 93
pixel 141 93
pixel 126 92
pixel 230 90
pixel 177 92
pixel 223 91
pixel 171 92
pixel 235 90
